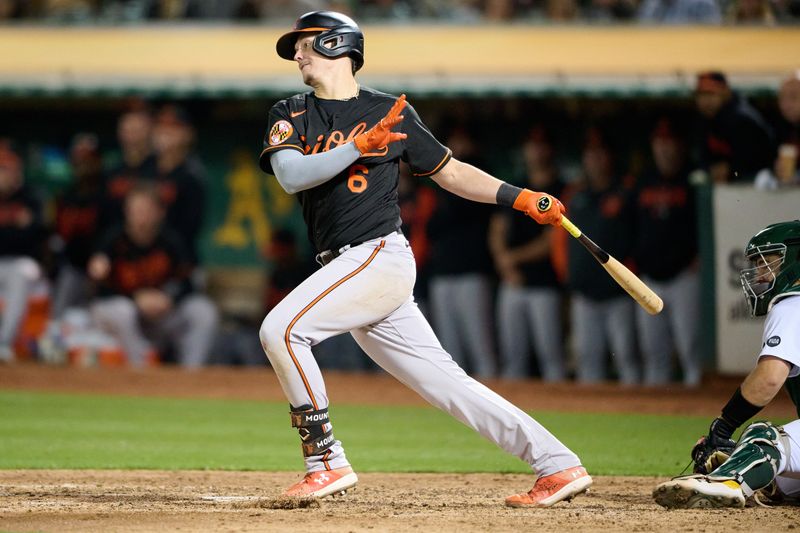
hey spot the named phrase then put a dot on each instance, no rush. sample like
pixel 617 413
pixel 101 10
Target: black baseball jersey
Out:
pixel 21 228
pixel 666 240
pixel 163 264
pixel 182 191
pixel 361 202
pixel 78 222
pixel 610 214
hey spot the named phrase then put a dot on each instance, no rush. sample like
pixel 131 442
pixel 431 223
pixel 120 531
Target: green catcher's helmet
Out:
pixel 773 255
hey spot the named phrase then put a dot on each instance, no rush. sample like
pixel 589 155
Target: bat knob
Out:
pixel 544 204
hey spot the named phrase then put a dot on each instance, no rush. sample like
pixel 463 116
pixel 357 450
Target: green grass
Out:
pixel 40 430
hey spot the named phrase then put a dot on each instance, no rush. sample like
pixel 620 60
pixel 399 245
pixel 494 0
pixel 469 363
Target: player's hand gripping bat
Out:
pixel 626 279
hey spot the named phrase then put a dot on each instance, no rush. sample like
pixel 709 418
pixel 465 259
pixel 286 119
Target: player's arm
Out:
pixel 297 172
pixel 755 392
pixel 765 380
pixel 474 184
pixel 535 249
pixel 498 230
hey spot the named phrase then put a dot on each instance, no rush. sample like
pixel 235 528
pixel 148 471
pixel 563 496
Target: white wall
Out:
pixel 739 212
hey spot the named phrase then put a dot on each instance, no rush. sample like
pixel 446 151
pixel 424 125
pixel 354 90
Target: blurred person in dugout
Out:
pixel 21 242
pixel 135 139
pixel 79 218
pixel 562 11
pixel 288 268
pixel 417 205
pixel 666 254
pixel 65 10
pixel 173 9
pixel 735 141
pixel 145 294
pixel 177 173
pixel 784 171
pixel 12 10
pixel 679 12
pixel 460 266
pixel 750 13
pixel 611 10
pixel 602 314
pixel 278 11
pixel 529 298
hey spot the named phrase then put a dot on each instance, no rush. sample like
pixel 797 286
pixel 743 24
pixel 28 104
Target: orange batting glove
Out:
pixel 380 135
pixel 541 207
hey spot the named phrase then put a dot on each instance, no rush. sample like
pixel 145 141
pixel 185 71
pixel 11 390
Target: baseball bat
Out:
pixel 626 279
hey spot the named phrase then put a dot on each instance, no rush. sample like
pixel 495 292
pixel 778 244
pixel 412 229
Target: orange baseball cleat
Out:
pixel 548 490
pixel 323 483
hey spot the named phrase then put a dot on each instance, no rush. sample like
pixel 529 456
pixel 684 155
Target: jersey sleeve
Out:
pixel 422 151
pixel 281 135
pixel 782 335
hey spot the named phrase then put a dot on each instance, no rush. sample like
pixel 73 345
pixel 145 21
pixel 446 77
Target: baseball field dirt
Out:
pixel 108 500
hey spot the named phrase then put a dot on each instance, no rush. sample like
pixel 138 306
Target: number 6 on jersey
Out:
pixel 357 179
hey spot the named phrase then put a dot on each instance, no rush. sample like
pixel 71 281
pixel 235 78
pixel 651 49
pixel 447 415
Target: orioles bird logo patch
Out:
pixel 280 131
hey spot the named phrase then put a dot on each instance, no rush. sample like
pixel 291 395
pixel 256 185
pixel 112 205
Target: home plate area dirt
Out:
pixel 95 501
pixel 109 500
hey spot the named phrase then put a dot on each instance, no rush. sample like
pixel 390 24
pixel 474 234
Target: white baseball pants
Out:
pixel 17 276
pixel 789 478
pixel 368 292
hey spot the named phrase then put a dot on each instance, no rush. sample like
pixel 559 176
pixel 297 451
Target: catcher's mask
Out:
pixel 773 255
pixel 338 35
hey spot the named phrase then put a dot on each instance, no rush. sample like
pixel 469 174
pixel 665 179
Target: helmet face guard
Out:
pixel 758 280
pixel 773 255
pixel 338 35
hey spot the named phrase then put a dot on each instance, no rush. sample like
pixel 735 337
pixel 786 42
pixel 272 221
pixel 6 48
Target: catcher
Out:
pixel 766 459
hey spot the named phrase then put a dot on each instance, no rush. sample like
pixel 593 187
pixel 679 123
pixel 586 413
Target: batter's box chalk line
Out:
pixel 264 503
pixel 228 499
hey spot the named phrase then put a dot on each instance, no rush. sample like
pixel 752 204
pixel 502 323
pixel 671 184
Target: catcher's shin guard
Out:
pixel 314 427
pixel 755 462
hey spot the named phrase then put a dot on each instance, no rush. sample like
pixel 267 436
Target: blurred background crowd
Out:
pixel 114 250
pixel 749 12
pixel 138 230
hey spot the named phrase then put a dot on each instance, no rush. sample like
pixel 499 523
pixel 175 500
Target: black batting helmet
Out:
pixel 339 36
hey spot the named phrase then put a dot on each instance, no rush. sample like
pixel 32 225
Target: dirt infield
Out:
pixel 69 500
pixel 246 501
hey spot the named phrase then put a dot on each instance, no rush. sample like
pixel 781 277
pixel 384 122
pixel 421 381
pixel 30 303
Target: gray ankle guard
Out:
pixel 311 425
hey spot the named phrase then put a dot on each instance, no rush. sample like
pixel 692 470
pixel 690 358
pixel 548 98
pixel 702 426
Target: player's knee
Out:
pixel 761 432
pixel 117 312
pixel 272 331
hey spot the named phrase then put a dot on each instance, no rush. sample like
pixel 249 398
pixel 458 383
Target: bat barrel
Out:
pixel 635 287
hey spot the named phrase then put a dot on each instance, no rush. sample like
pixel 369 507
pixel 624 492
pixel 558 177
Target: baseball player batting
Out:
pixel 338 147
pixel 766 460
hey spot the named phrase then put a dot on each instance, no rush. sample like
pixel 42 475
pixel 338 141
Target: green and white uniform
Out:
pixel 781 339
